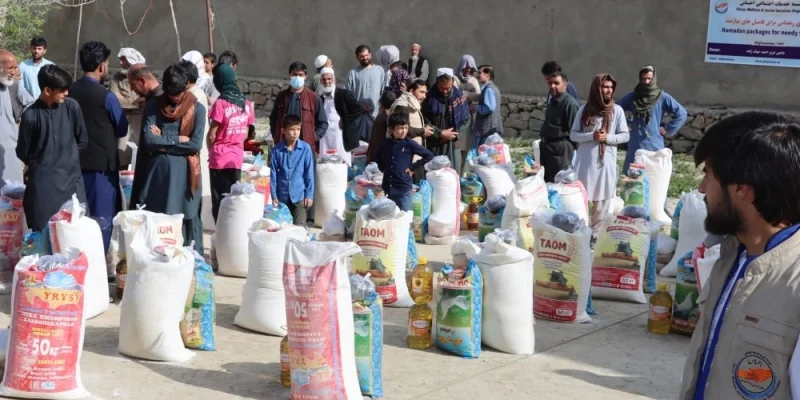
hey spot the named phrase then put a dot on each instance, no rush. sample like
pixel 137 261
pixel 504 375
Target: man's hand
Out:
pixel 307 203
pixel 183 139
pixel 156 131
pixel 600 135
pixel 410 172
pixel 448 135
pixel 274 202
pixel 472 108
pixel 662 131
pixel 428 131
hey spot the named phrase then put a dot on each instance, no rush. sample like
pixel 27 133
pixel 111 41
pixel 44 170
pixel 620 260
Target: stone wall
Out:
pixel 522 115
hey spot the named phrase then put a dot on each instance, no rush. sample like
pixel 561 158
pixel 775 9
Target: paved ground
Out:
pixel 613 357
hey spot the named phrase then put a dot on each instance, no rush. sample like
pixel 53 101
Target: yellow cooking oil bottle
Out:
pixel 420 319
pixel 286 375
pixel 422 280
pixel 660 319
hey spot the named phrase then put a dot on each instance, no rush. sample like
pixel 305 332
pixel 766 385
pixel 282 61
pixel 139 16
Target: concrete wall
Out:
pixel 516 36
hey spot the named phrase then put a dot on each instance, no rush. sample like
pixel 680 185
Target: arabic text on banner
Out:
pixel 754 32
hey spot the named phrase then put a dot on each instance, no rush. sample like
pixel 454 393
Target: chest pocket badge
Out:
pixel 763 347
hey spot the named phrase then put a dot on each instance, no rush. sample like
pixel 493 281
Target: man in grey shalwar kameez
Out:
pixel 366 82
pixel 598 128
pixel 13 100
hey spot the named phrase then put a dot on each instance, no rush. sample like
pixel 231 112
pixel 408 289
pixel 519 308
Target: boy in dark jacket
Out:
pixel 395 160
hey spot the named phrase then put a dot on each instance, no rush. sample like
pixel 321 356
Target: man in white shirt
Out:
pixel 30 67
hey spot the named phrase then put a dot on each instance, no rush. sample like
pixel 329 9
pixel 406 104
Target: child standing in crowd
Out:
pixel 251 144
pixel 292 164
pixel 395 160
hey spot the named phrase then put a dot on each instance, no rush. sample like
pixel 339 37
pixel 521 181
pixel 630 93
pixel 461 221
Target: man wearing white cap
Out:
pixel 332 142
pixel 131 102
pixel 417 64
pixel 446 109
pixel 322 61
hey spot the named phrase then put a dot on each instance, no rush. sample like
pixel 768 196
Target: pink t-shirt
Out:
pixel 228 148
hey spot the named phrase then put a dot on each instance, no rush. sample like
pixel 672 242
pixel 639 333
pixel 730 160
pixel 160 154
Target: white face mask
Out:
pixel 328 89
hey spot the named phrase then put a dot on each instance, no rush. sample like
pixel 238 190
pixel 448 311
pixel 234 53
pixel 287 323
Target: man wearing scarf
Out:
pixel 598 128
pixel 389 54
pixel 648 104
pixel 173 135
pixel 446 109
pixel 130 102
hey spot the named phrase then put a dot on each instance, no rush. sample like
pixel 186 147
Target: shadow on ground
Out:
pixel 244 379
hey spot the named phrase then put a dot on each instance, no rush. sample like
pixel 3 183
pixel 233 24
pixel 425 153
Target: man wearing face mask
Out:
pixel 302 102
pixel 106 123
pixel 333 140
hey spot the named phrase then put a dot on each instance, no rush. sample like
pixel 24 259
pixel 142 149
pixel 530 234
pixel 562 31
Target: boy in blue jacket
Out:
pixel 292 164
pixel 395 159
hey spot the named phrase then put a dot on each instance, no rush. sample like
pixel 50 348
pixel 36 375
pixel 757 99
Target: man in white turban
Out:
pixel 322 61
pixel 204 81
pixel 132 105
pixel 332 142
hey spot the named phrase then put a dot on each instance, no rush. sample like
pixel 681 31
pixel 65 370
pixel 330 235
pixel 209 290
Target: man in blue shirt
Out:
pixel 745 342
pixel 29 68
pixel 106 123
pixel 292 165
pixel 488 119
pixel 395 160
pixel 551 67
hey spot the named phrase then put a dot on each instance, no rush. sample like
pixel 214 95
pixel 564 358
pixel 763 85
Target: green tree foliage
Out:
pixel 21 20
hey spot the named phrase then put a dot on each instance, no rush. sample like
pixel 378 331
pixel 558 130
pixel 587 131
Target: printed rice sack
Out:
pixel 496 180
pixel 159 280
pixel 651 267
pixel 658 167
pixel 384 246
pixel 319 306
pixel 471 186
pixel 523 232
pixel 331 183
pixel 263 307
pixel 241 209
pixel 12 229
pixel 507 321
pixel 490 215
pixel 692 229
pixel 200 312
pixel 527 196
pixel 70 227
pixel 368 327
pixel 44 362
pixel 459 309
pixel 620 257
pixel 421 206
pixel 685 311
pixel 562 272
pixel 445 218
pixel 634 189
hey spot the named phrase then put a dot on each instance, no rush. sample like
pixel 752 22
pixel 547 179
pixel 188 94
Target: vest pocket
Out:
pixel 759 358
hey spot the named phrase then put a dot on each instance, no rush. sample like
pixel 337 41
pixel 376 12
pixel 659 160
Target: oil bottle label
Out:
pixel 285 362
pixel 419 328
pixel 474 218
pixel 659 313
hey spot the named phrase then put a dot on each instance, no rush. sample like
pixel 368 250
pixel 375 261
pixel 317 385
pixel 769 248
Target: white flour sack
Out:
pixel 658 167
pixel 691 229
pixel 237 213
pixel 47 328
pixel 495 179
pixel 155 296
pixel 527 196
pixel 562 272
pixel 444 220
pixel 169 229
pixel 319 315
pixel 620 258
pixel 573 199
pixel 263 306
pixel 507 296
pixel 70 227
pixel 329 188
pixel 384 249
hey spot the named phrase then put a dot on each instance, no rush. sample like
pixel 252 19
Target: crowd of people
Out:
pixel 191 129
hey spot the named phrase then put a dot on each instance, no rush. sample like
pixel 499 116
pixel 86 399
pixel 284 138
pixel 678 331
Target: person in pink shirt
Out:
pixel 231 115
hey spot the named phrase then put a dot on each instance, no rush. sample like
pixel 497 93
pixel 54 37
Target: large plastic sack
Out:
pixel 319 306
pixel 200 311
pixel 634 189
pixel 523 233
pixel 334 229
pixel 685 311
pixel 236 213
pixel 354 198
pixel 159 280
pixel 573 198
pixel 331 183
pixel 169 229
pixel 70 227
pixel 458 294
pixel 263 307
pixel 674 232
pixel 495 148
pixel 44 362
pixel 258 176
pixel 566 176
pixel 368 324
pixel 436 163
pixel 421 207
pixel 658 167
pixel 12 229
pixel 507 323
pixel 471 186
pixel 620 257
pixel 495 179
pixel 666 244
pixel 490 215
pixel 445 219
pixel 384 247
pixel 126 188
pixel 562 272
pixel 704 265
pixel 463 249
pixel 279 214
pixel 651 268
pixel 692 229
pixel 527 196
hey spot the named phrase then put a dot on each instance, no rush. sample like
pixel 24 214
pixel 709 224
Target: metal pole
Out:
pixel 77 44
pixel 210 24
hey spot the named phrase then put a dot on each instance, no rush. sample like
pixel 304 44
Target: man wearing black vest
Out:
pixel 418 66
pixel 106 123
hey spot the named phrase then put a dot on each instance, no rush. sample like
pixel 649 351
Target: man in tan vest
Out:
pixel 744 343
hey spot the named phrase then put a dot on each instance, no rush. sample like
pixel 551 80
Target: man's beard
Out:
pixel 724 219
pixel 7 82
pixel 365 63
pixel 415 58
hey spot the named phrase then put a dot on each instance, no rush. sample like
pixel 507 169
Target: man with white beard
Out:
pixel 13 99
pixel 332 142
